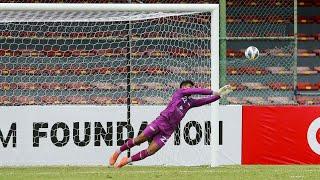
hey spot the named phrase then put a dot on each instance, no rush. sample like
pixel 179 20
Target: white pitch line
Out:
pixel 101 172
pixel 227 170
pixel 296 176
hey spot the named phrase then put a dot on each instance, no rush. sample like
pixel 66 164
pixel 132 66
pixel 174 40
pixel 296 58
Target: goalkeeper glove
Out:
pixel 225 90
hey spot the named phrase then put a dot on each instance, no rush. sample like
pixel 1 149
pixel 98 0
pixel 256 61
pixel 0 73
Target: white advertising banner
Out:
pixel 227 146
pixel 87 135
pixel 190 143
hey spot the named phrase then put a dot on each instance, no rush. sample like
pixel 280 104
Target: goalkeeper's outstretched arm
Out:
pixel 192 91
pixel 216 95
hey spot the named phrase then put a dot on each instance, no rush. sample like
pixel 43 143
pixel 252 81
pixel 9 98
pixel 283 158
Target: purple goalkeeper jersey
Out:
pixel 181 103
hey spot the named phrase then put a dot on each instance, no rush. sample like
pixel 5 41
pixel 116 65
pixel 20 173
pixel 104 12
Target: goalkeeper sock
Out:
pixel 129 144
pixel 139 156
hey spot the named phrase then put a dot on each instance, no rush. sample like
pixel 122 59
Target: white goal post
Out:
pixel 144 8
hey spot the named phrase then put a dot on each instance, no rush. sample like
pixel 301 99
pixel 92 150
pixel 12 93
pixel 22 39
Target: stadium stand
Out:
pixel 22 79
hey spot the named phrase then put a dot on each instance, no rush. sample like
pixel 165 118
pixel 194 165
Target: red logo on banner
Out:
pixel 313 136
pixel 281 135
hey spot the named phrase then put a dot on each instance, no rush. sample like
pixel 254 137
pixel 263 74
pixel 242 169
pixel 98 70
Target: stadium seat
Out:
pixel 255 71
pixel 100 34
pixel 233 71
pixel 155 70
pixel 255 86
pixel 79 70
pixel 78 86
pixel 137 53
pixel 24 100
pixel 306 71
pixel 317 18
pixel 236 100
pixel 276 52
pixel 317 69
pixel 306 37
pixel 280 86
pixel 104 86
pixel 153 85
pixel 2 51
pixel 5 100
pixel 306 53
pixel 234 54
pixel 249 34
pixel 272 34
pixel 8 53
pixel 203 85
pixel 278 19
pixel 102 100
pixel 120 52
pixel 173 85
pixel 248 70
pixel 308 100
pixel 201 70
pixel 318 84
pixel 137 87
pixel 50 34
pixel 5 33
pixel 305 3
pixel 29 86
pixel 178 70
pixel 120 69
pixel 101 70
pixel 158 53
pixel 5 86
pixel 237 86
pixel 6 71
pixel 122 85
pixel 255 100
pixel 305 20
pixel 317 51
pixel 53 86
pixel 153 100
pixel 280 100
pixel 76 100
pixel 279 70
pixel 50 100
pixel 253 19
pixel 316 3
pixel 57 70
pixel 120 100
pixel 307 86
pixel 135 100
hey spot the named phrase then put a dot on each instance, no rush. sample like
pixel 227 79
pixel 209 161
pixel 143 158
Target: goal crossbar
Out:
pixel 107 7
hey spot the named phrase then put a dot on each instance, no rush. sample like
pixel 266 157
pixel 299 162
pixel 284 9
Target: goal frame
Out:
pixel 214 39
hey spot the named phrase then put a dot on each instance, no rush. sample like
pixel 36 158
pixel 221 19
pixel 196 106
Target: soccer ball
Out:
pixel 252 53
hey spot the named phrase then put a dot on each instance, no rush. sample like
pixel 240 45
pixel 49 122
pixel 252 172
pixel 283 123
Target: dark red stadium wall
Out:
pixel 278 134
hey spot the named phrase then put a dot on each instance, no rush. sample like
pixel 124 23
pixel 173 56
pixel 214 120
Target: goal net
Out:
pixel 269 26
pixel 50 57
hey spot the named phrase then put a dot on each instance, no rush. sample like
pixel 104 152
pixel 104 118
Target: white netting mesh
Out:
pixel 60 62
pixel 259 19
pixel 268 26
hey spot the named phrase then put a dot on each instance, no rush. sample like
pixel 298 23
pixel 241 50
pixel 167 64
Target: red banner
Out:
pixel 281 135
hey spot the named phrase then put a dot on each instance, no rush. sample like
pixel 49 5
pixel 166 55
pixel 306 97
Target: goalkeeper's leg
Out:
pixel 157 143
pixel 149 133
pixel 129 144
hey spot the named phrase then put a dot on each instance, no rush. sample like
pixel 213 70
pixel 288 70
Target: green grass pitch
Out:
pixel 162 172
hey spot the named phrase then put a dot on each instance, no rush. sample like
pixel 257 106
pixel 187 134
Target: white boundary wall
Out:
pixel 24 152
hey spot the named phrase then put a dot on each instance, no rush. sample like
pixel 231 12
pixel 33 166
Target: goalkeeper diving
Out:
pixel 164 125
